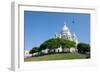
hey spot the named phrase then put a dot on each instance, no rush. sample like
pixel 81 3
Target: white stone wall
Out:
pixel 66 49
pixel 45 51
pixel 72 50
pixel 58 49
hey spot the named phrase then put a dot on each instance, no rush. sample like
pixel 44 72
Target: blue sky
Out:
pixel 40 26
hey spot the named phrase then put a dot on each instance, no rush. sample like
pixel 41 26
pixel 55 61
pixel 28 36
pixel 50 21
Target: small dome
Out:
pixel 65 28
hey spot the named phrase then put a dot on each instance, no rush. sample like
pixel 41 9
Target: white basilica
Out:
pixel 65 32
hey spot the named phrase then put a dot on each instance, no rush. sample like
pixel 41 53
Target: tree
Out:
pixel 43 46
pixel 83 48
pixel 66 43
pixel 52 44
pixel 34 50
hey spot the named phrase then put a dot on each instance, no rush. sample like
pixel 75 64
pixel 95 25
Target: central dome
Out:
pixel 65 28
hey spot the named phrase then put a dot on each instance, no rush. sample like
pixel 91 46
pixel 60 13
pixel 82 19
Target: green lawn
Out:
pixel 57 56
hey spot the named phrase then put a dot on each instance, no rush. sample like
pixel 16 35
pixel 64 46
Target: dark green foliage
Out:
pixel 83 48
pixel 57 42
pixel 50 44
pixel 43 45
pixel 66 43
pixel 35 49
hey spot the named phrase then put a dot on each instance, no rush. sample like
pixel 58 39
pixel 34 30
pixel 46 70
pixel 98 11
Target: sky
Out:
pixel 40 26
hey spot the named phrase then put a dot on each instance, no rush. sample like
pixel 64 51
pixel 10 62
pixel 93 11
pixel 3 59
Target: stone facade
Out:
pixel 65 33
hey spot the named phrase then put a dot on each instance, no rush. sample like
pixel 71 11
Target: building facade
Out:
pixel 65 33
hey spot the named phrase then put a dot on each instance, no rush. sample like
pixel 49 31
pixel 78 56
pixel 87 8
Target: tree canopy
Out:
pixel 66 43
pixel 54 43
pixel 83 47
pixel 34 49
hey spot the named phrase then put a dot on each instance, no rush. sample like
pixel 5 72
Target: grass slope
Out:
pixel 58 56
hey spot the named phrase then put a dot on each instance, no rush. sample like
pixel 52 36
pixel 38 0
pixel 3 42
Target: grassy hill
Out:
pixel 57 56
